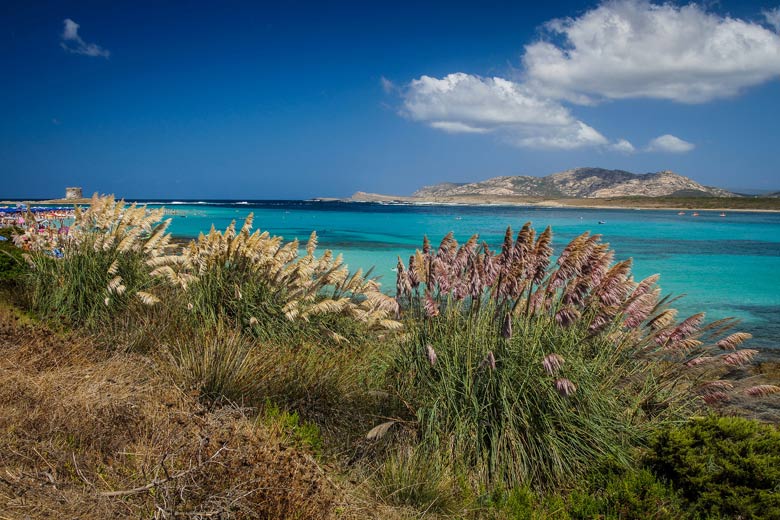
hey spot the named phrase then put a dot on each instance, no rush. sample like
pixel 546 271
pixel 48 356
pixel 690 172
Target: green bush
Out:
pixel 75 290
pixel 625 494
pixel 604 494
pixel 724 466
pixel 507 422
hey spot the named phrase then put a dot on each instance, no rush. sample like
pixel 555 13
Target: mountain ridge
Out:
pixel 579 183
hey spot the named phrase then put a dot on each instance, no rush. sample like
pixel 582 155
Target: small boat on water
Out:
pixel 695 213
pixel 602 222
pixel 722 214
pixel 681 213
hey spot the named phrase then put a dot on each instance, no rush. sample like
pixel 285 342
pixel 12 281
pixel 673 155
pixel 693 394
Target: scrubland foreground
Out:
pixel 240 376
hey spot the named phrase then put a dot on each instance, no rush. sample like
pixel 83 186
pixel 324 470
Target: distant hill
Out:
pixel 579 183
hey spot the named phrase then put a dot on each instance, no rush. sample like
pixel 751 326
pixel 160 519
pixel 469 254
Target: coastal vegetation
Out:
pixel 241 376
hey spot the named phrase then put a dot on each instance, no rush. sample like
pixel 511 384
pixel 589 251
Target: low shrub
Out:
pixel 625 494
pixel 725 467
pixel 289 425
pixel 605 494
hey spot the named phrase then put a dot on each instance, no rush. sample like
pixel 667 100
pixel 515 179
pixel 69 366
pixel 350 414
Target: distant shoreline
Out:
pixel 47 201
pixel 744 204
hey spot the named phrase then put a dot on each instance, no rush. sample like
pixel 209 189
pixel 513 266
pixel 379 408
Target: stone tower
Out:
pixel 73 193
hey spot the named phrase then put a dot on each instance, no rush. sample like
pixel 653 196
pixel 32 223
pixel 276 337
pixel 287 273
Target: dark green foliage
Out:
pixel 605 494
pixel 629 494
pixel 723 466
pixel 12 265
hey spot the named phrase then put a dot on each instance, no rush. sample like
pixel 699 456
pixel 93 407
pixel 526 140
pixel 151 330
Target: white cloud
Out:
pixel 622 145
pixel 773 18
pixel 569 137
pixel 636 49
pixel 670 143
pixel 454 127
pixel 466 103
pixel 72 42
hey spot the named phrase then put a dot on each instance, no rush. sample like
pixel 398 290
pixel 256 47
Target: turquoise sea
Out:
pixel 726 266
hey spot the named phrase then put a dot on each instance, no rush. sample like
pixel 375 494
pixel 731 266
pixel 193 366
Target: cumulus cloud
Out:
pixel 569 137
pixel 636 49
pixel 467 103
pixel 72 42
pixel 669 143
pixel 621 49
pixel 622 145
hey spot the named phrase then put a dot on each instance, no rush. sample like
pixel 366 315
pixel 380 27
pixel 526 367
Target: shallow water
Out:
pixel 726 266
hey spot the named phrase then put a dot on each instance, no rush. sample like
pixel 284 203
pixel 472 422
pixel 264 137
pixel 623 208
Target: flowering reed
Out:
pixel 100 265
pixel 114 253
pixel 264 282
pixel 534 418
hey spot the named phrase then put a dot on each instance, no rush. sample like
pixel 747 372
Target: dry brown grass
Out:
pixel 87 434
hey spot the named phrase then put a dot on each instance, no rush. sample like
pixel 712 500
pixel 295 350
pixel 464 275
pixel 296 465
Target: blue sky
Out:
pixel 241 100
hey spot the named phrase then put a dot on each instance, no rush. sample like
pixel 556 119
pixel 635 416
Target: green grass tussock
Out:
pixel 99 269
pixel 523 371
pixel 507 422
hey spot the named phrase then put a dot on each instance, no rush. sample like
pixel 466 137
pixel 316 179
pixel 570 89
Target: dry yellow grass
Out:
pixel 86 434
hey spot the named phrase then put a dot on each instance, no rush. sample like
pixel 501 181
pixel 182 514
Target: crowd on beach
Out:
pixel 42 220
